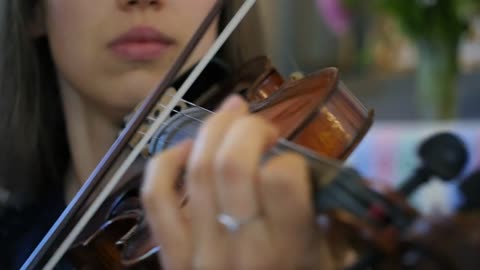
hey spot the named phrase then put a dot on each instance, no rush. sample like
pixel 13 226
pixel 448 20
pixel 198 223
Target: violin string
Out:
pixel 179 130
pixel 189 103
pixel 152 118
pixel 179 111
pixel 338 197
pixel 176 130
pixel 162 125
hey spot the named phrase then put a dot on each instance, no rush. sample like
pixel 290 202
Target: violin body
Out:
pixel 315 112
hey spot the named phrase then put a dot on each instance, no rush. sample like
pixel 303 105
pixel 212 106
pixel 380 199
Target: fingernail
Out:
pixel 233 102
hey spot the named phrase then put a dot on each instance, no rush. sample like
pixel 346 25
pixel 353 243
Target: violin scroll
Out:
pixel 443 155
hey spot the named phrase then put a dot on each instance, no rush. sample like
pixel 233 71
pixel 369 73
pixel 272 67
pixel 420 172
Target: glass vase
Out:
pixel 437 75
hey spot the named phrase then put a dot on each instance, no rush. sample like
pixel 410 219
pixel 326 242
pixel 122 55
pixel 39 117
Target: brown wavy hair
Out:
pixel 34 152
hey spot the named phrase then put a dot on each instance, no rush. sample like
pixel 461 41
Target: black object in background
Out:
pixel 470 188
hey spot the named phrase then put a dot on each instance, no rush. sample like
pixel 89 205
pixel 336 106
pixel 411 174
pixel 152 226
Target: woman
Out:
pixel 71 70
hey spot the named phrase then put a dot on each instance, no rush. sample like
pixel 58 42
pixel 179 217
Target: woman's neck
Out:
pixel 90 132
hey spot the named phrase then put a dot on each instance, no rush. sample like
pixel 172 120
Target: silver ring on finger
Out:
pixel 233 224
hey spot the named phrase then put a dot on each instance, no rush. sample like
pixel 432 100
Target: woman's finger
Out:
pixel 207 234
pixel 285 191
pixel 237 164
pixel 162 202
pixel 286 198
pixel 236 169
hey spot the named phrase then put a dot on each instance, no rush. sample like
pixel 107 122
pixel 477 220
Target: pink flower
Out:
pixel 335 15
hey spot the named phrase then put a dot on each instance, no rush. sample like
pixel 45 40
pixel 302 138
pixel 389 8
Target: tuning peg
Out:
pixel 443 155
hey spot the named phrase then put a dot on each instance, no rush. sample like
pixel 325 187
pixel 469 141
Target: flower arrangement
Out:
pixel 436 28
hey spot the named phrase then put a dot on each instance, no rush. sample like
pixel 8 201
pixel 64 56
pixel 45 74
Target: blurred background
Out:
pixel 415 62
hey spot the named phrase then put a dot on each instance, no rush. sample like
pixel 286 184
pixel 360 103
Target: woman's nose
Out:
pixel 140 4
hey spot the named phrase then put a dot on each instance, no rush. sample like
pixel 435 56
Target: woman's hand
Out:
pixel 239 215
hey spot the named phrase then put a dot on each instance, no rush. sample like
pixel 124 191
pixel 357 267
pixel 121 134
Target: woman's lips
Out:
pixel 141 44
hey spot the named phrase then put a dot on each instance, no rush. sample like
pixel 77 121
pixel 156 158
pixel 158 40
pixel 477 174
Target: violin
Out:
pixel 118 237
pixel 104 227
